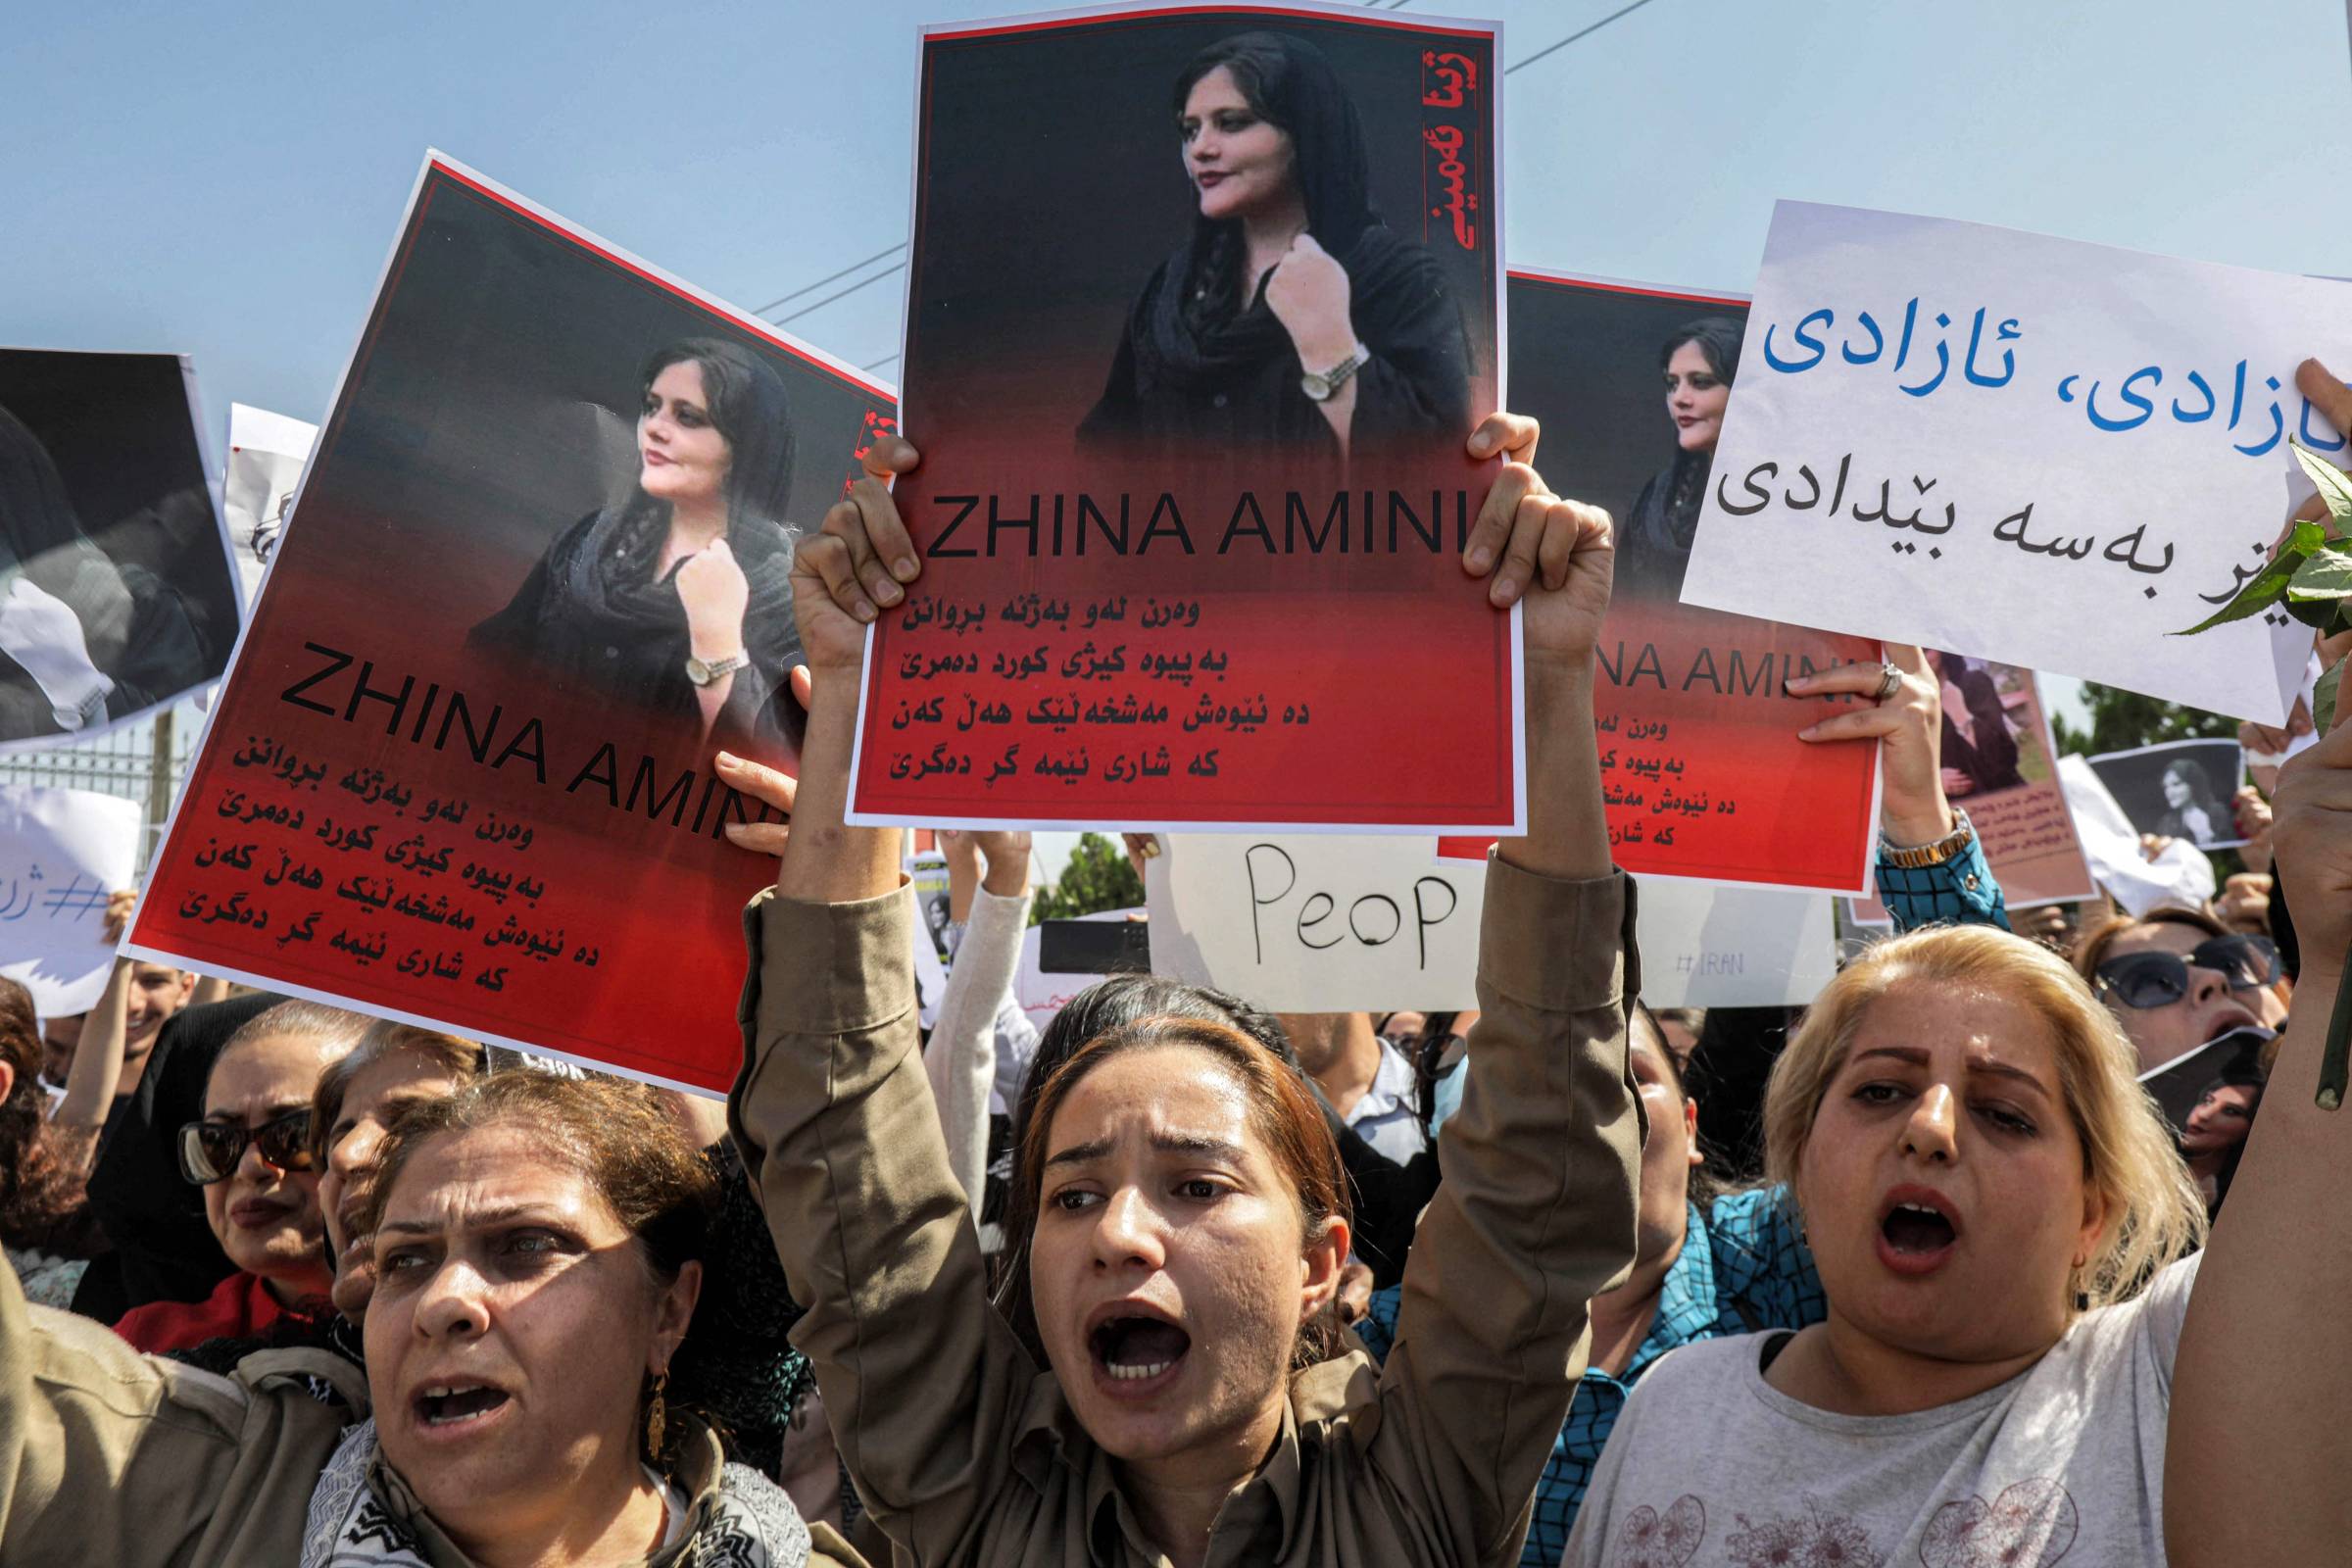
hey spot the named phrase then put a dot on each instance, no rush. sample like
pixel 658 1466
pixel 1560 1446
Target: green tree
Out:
pixel 2121 720
pixel 1098 877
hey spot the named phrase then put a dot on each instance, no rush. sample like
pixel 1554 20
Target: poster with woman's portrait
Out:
pixel 2001 767
pixel 1700 764
pixel 2178 789
pixel 1203 305
pixel 461 769
pixel 115 592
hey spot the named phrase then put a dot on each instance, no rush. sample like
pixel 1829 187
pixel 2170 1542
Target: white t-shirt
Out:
pixel 1709 1464
pixel 1388 1117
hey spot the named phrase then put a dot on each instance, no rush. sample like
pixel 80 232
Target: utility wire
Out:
pixel 878 364
pixel 806 289
pixel 1551 49
pixel 843 294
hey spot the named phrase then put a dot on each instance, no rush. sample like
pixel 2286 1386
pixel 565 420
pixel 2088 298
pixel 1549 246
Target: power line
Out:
pixel 863 282
pixel 828 279
pixel 878 364
pixel 1551 49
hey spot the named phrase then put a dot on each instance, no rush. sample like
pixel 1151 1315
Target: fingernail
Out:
pixel 890 593
pixel 903 568
pixel 1479 558
pixel 736 830
pixel 729 759
pixel 1150 849
pixel 1806 733
pixel 1505 592
pixel 1797 683
pixel 1481 443
pixel 864 611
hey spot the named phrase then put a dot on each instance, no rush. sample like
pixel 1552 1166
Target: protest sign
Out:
pixel 2138 881
pixel 62 852
pixel 2048 453
pixel 266 453
pixel 1191 550
pixel 2224 1076
pixel 1333 923
pixel 461 772
pixel 2178 789
pixel 2000 766
pixel 116 594
pixel 1701 768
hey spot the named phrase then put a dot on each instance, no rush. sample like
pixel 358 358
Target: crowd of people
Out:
pixel 1920 1274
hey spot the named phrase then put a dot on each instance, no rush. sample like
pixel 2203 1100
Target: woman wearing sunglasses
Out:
pixel 2179 978
pixel 251 1153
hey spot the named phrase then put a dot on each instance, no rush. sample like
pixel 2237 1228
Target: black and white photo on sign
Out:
pixel 2178 789
pixel 116 591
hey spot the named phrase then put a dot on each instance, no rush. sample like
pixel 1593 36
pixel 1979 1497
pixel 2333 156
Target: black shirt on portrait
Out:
pixel 1180 389
pixel 592 614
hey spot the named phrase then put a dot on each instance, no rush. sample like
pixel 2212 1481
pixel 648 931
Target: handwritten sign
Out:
pixel 460 772
pixel 1191 558
pixel 2051 454
pixel 267 454
pixel 1301 923
pixel 62 852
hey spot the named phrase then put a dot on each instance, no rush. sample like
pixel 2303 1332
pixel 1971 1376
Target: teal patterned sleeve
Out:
pixel 1962 891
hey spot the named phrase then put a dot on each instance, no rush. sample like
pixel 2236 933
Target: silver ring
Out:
pixel 1890 681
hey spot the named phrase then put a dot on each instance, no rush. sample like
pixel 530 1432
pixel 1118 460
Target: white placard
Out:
pixel 62 852
pixel 1298 923
pixel 266 453
pixel 2026 448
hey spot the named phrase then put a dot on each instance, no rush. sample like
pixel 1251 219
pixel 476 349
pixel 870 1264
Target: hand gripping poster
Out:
pixel 461 770
pixel 1203 304
pixel 115 592
pixel 1701 768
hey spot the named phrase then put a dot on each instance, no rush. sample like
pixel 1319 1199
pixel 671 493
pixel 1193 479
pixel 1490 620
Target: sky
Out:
pixel 225 180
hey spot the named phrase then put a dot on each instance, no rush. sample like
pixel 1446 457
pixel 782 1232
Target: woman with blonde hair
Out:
pixel 2001 1222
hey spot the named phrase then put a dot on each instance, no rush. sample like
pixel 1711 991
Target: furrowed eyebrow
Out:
pixel 1079 1153
pixel 487 1219
pixel 1166 1144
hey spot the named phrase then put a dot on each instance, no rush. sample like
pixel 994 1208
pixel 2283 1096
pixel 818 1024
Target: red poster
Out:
pixel 461 770
pixel 1203 305
pixel 1700 764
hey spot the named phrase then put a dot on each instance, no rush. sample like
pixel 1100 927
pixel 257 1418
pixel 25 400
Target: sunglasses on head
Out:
pixel 2159 979
pixel 209 1151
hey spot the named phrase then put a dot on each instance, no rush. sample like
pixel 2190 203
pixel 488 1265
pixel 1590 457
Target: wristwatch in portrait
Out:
pixel 1326 386
pixel 1939 852
pixel 703 672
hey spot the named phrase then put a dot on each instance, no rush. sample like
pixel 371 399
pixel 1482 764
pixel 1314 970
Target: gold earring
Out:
pixel 657 1417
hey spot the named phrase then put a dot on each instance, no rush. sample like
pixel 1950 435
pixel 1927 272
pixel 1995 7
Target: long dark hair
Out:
pixel 1288 84
pixel 1107 1008
pixel 44 1202
pixel 36 515
pixel 1718 338
pixel 748 406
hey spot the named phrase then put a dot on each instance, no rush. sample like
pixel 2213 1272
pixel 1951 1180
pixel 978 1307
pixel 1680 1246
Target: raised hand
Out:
pixel 1310 295
pixel 1908 721
pixel 716 594
pixel 1560 556
pixel 852 569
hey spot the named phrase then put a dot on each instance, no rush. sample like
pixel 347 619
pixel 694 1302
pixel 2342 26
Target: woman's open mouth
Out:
pixel 1138 1355
pixel 1917 1235
pixel 453 1407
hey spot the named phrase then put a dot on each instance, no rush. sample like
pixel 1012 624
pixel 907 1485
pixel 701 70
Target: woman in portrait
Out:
pixel 1980 754
pixel 676 598
pixel 1653 550
pixel 2191 810
pixel 82 638
pixel 1292 316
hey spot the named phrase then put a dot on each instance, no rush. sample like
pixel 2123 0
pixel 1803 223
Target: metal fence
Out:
pixel 124 762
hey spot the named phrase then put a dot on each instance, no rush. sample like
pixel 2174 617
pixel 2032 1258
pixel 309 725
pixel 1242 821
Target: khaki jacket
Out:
pixel 965 1452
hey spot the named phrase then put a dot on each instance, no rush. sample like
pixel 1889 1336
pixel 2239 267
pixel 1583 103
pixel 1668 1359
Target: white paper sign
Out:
pixel 1350 923
pixel 266 453
pixel 2032 449
pixel 62 852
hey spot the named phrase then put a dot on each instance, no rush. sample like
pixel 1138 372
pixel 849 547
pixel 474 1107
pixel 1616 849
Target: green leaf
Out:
pixel 2322 700
pixel 2267 587
pixel 2317 613
pixel 2334 484
pixel 2328 574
